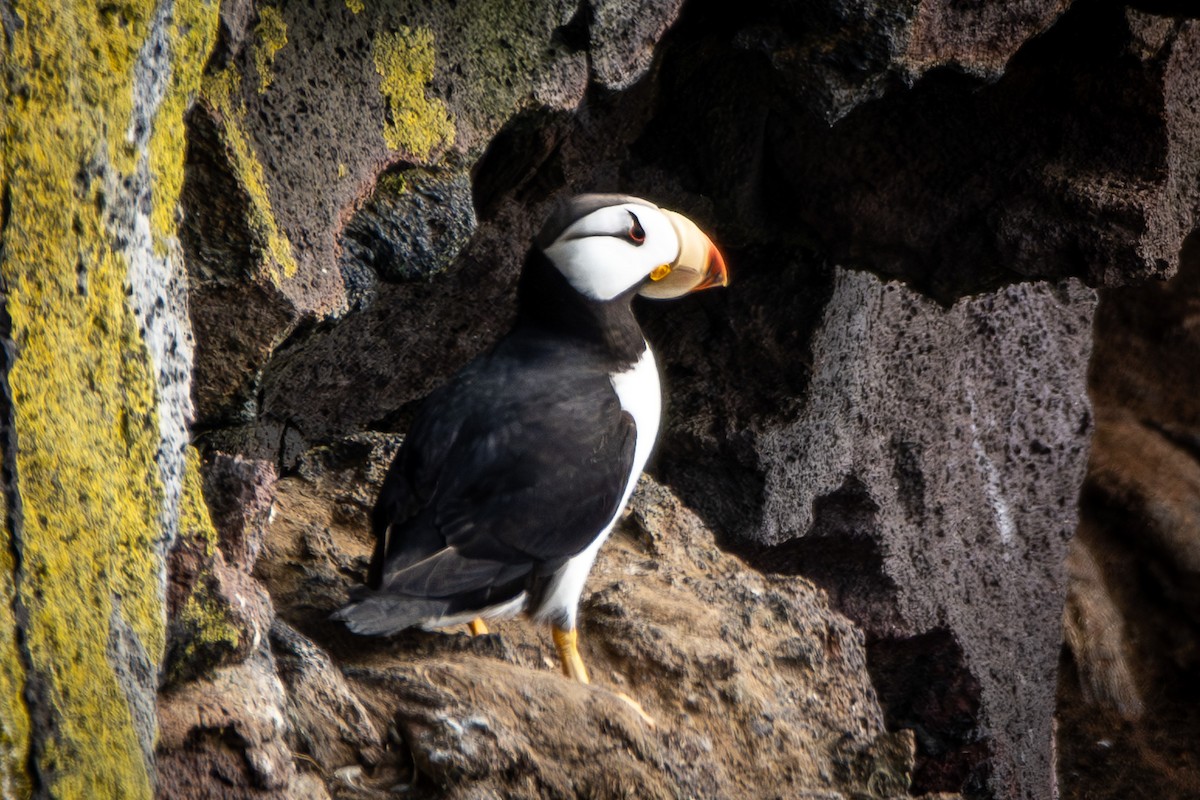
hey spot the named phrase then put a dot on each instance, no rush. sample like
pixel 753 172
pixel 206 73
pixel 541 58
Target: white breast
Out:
pixel 640 394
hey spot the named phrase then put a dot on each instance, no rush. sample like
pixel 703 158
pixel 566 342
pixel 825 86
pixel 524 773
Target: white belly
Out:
pixel 640 393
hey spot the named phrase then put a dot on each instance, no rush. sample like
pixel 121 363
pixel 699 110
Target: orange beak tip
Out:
pixel 717 274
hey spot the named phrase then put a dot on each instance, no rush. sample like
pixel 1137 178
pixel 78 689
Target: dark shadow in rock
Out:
pixel 1044 173
pixel 841 554
pixel 237 318
pixel 520 162
pixel 924 685
pixel 692 466
pixel 412 228
pixel 922 680
pixel 731 370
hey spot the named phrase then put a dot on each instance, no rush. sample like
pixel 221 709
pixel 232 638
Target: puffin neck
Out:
pixel 546 301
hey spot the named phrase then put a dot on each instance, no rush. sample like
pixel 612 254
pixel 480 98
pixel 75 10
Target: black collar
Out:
pixel 547 302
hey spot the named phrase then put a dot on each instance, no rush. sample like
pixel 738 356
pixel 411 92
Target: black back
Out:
pixel 519 461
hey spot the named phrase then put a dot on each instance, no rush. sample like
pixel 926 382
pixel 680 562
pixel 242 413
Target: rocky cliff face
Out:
pixel 846 574
pixel 890 404
pixel 94 382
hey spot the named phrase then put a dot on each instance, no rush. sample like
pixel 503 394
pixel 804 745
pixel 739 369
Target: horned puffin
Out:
pixel 515 471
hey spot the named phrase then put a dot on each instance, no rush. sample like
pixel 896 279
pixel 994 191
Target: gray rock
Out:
pixel 414 226
pixel 326 720
pixel 928 483
pixel 624 34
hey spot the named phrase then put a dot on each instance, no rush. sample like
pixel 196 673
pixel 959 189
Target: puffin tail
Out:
pixel 372 614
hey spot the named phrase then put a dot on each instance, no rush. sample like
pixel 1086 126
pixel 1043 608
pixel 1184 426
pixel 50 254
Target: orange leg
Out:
pixel 478 626
pixel 567 643
pixel 568 653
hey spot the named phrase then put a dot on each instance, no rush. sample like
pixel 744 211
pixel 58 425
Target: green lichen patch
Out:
pixel 83 388
pixel 202 632
pixel 355 6
pixel 222 93
pixel 270 35
pixel 415 125
pixel 195 523
pixel 392 183
pixel 193 32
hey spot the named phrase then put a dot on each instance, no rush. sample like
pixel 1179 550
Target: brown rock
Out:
pixel 979 38
pixel 224 737
pixel 218 616
pixel 216 613
pixel 239 493
pixel 238 313
pixel 747 677
pixel 1132 622
pixel 326 721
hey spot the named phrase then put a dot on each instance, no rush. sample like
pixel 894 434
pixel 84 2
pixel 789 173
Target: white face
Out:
pixel 614 248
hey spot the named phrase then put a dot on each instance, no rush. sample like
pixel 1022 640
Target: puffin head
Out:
pixel 608 244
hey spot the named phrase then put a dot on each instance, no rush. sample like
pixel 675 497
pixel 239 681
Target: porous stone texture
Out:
pixel 240 493
pixel 362 373
pixel 907 429
pixel 953 184
pixel 838 55
pixel 95 377
pixel 227 722
pixel 928 484
pixel 622 38
pixel 326 720
pixel 217 614
pixel 225 736
pixel 414 226
pixel 743 674
pixel 300 116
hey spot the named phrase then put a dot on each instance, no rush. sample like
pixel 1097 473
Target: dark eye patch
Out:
pixel 636 233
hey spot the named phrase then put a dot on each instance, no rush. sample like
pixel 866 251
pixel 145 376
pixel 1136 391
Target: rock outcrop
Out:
pixel 912 443
pixel 846 576
pixel 95 374
pixel 927 485
pixel 743 674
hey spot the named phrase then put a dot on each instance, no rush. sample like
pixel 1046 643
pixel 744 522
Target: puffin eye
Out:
pixel 637 234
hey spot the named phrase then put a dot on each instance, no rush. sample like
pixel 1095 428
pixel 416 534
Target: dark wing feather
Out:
pixel 514 466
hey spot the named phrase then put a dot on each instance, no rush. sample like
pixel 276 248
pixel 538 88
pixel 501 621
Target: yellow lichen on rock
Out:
pixel 355 6
pixel 415 125
pixel 195 523
pixel 207 623
pixel 193 32
pixel 201 625
pixel 88 433
pixel 270 35
pixel 14 717
pixel 83 390
pixel 221 92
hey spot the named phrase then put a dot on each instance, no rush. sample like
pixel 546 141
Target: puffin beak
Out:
pixel 698 266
